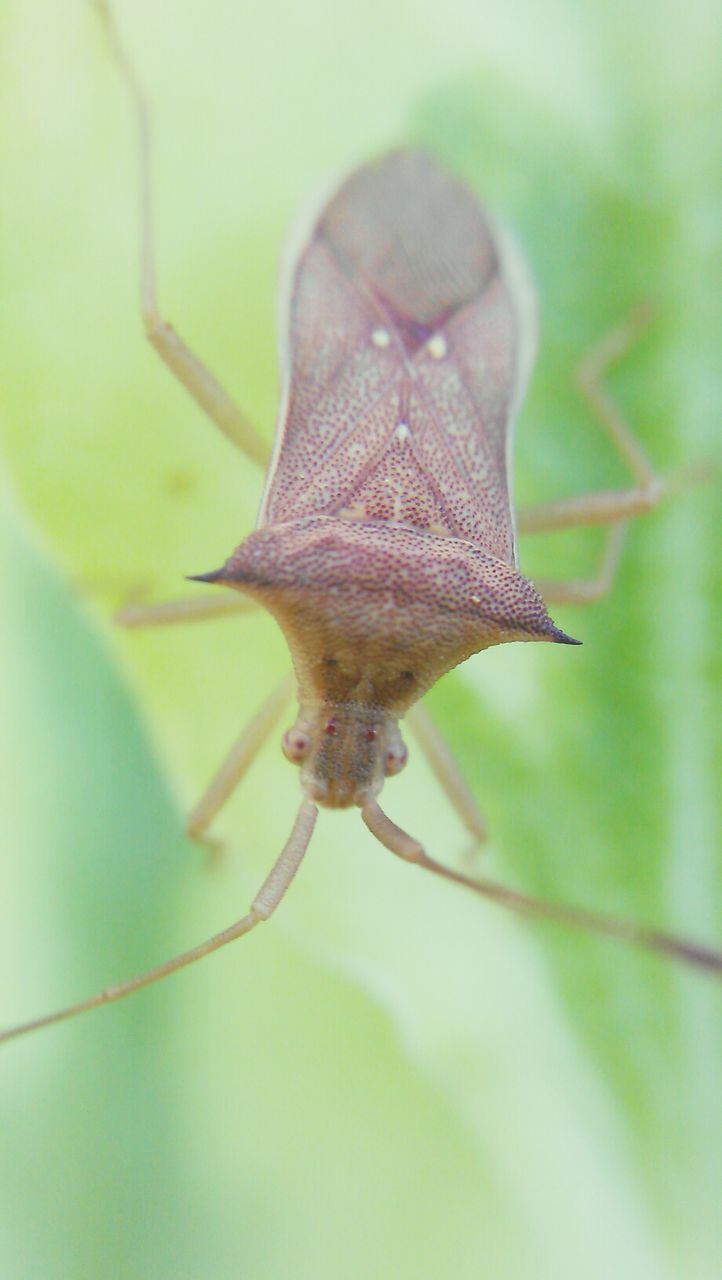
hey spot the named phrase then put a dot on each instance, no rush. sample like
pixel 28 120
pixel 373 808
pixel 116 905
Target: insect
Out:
pixel 385 546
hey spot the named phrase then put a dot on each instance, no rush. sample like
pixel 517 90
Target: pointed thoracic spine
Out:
pixel 386 597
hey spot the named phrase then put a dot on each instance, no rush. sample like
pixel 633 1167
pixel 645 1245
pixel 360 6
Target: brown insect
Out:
pixel 386 545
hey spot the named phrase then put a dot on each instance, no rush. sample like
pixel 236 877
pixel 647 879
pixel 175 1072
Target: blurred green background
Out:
pixel 390 1080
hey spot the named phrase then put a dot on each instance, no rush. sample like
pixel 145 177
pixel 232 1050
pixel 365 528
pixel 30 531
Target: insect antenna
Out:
pixel 263 905
pixel 406 847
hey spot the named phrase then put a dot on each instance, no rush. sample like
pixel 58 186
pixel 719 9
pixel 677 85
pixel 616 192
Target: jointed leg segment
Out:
pixel 446 769
pixel 588 590
pixel 163 613
pixel 179 358
pixel 263 905
pixel 238 760
pixel 618 504
pixel 404 846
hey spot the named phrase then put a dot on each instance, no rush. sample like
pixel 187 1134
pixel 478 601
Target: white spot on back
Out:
pixel 381 337
pixel 437 346
pixel 403 431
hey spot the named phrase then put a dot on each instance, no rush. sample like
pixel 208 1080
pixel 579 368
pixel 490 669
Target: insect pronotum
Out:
pixel 386 545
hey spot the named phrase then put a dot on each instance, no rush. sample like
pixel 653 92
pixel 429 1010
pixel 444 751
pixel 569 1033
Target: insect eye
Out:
pixel 371 735
pixel 296 745
pixel 396 758
pixel 331 728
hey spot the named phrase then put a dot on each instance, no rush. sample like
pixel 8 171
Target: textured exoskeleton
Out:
pixel 385 544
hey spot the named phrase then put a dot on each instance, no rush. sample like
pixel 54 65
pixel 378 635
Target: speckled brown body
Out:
pixel 385 544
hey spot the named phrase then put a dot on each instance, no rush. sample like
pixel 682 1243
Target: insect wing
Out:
pixel 410 329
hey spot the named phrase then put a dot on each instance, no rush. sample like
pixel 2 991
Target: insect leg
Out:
pixel 182 362
pixel 587 590
pixel 161 613
pixel 238 760
pixel 446 770
pixel 404 846
pixel 614 505
pixel 610 507
pixel 263 906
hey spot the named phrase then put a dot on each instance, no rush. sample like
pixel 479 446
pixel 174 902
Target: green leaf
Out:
pixel 392 1079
